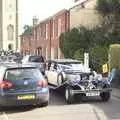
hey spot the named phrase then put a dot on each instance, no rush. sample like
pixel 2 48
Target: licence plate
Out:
pixel 26 97
pixel 93 94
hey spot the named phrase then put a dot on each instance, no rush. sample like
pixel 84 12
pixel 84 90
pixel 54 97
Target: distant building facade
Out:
pixel 44 39
pixel 9 24
pixel 45 36
pixel 26 43
pixel 84 14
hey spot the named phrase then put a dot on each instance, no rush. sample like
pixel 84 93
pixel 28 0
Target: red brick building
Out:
pixel 25 43
pixel 45 36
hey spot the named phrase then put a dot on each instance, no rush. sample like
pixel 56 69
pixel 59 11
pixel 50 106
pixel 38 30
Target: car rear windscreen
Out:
pixel 23 74
pixel 36 59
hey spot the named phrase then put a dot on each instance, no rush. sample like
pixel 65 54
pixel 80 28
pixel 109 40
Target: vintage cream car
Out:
pixel 72 77
pixel 56 70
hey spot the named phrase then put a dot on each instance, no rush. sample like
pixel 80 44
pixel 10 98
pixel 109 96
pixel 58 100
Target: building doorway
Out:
pixel 39 51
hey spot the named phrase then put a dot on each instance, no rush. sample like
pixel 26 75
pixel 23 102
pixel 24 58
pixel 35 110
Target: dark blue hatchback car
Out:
pixel 21 85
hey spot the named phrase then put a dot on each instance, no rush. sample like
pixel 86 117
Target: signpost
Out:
pixel 86 61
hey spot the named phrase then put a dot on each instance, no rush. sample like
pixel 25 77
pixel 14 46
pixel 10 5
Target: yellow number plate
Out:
pixel 26 97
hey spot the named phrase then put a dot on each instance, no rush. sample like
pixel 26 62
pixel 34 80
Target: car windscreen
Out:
pixel 23 74
pixel 36 59
pixel 70 63
pixel 74 65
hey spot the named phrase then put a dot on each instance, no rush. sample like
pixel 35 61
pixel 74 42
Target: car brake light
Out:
pixel 5 85
pixel 42 83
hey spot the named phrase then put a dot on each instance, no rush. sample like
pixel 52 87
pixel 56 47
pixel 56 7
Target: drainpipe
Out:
pixel 50 36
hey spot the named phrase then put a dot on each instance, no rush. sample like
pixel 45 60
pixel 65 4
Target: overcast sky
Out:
pixel 40 8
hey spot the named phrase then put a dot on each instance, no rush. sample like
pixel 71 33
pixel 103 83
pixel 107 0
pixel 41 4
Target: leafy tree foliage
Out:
pixel 68 42
pixel 98 56
pixel 27 30
pixel 108 6
pixel 110 10
pixel 75 42
pixel 79 54
pixel 114 56
pixel 96 41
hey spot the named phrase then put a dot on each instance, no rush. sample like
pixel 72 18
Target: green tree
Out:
pixel 96 41
pixel 110 10
pixel 68 42
pixel 108 6
pixel 98 56
pixel 27 29
pixel 79 54
pixel 114 53
pixel 74 39
pixel 75 42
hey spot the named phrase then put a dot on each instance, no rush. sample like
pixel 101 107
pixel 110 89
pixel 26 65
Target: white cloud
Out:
pixel 41 8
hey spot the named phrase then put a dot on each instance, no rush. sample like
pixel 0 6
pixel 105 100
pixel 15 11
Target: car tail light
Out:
pixel 42 83
pixel 5 85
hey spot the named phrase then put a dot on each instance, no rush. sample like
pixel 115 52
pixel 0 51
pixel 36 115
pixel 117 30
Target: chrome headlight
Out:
pixel 77 78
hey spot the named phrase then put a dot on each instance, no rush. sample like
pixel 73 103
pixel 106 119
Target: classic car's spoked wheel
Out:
pixel 69 97
pixel 59 79
pixel 105 96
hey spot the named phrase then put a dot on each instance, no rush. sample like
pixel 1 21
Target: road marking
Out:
pixel 5 116
pixel 115 97
pixel 97 116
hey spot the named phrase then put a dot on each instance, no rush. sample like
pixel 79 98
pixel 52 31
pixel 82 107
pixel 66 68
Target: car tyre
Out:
pixel 69 97
pixel 105 96
pixel 45 104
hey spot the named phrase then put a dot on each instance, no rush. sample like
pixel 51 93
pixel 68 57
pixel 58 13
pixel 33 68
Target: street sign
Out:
pixel 105 68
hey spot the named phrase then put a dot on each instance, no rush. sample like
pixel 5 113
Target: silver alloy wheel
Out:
pixel 66 94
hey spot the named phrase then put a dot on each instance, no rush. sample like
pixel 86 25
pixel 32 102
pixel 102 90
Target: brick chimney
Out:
pixel 35 20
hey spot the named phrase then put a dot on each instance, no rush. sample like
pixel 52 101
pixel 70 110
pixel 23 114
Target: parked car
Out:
pixel 7 59
pixel 21 85
pixel 55 70
pixel 34 60
pixel 62 74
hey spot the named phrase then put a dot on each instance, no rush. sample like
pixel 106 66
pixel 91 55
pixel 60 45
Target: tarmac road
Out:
pixel 88 109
